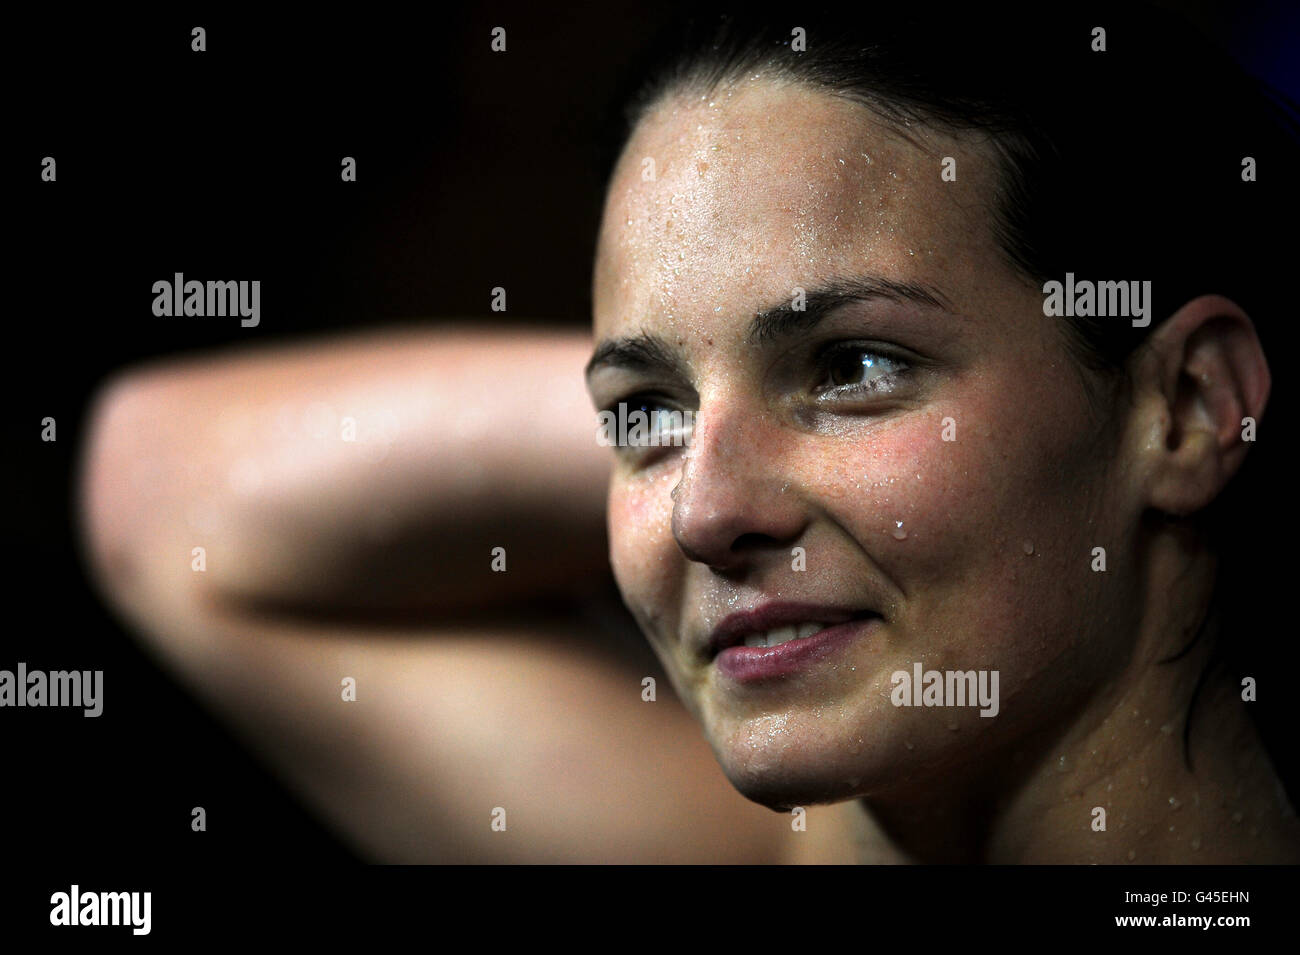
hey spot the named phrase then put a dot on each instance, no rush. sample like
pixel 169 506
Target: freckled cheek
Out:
pixel 643 554
pixel 991 556
pixel 902 492
pixel 928 511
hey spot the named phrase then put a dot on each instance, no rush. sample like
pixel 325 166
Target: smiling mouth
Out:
pixel 777 643
pixel 775 624
pixel 785 634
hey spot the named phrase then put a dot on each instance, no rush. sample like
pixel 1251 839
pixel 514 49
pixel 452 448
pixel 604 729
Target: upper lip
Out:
pixel 733 628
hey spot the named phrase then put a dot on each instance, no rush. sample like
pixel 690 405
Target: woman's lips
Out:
pixel 732 643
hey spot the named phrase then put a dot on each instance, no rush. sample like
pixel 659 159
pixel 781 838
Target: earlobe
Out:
pixel 1200 374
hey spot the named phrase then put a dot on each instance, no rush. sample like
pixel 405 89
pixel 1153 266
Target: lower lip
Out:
pixel 757 664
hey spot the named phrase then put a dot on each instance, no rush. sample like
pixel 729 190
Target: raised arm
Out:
pixel 369 472
pixel 327 558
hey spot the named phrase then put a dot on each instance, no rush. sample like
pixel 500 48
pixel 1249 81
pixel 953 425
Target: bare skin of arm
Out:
pixel 347 496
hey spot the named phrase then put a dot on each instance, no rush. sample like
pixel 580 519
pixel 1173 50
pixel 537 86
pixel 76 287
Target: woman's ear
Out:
pixel 1200 383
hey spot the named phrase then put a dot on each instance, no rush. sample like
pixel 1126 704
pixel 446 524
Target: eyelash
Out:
pixel 828 357
pixel 638 401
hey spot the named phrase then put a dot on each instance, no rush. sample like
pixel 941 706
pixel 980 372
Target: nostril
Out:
pixel 752 542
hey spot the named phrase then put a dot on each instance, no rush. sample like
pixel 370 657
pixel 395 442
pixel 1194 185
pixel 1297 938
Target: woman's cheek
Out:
pixel 902 492
pixel 642 550
pixel 982 539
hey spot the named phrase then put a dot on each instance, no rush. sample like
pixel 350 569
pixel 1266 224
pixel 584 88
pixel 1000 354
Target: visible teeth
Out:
pixel 784 635
pixel 781 635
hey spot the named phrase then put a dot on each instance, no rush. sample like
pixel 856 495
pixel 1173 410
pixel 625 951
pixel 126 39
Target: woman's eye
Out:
pixel 859 368
pixel 645 422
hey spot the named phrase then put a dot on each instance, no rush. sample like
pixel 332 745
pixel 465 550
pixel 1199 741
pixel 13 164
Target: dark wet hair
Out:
pixel 1125 164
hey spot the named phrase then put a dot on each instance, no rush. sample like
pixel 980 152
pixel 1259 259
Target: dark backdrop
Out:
pixel 475 170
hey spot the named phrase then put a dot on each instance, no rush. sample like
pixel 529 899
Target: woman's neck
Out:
pixel 1121 763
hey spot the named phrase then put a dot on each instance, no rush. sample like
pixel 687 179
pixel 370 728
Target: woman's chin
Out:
pixel 780 762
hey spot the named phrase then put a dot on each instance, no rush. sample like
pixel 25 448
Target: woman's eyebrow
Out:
pixel 643 352
pixel 786 319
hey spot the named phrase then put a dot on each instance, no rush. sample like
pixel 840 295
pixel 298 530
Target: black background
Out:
pixel 475 170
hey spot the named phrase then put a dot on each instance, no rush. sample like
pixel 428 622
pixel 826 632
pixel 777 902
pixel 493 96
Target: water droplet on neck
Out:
pixel 899 533
pixel 1028 547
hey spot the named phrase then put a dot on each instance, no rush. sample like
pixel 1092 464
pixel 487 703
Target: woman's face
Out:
pixel 908 462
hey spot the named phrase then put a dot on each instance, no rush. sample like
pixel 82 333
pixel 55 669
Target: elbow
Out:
pixel 121 482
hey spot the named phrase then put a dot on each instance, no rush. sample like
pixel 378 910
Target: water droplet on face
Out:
pixel 1132 855
pixel 908 744
pixel 1028 547
pixel 1142 781
pixel 898 532
pixel 1174 803
pixel 1196 844
pixel 1060 765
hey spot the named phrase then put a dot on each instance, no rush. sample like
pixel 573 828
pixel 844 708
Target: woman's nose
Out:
pixel 732 502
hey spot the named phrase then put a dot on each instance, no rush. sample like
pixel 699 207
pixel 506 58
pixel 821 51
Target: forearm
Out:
pixel 370 472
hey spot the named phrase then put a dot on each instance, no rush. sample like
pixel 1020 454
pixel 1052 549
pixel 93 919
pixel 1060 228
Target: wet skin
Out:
pixel 973 553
